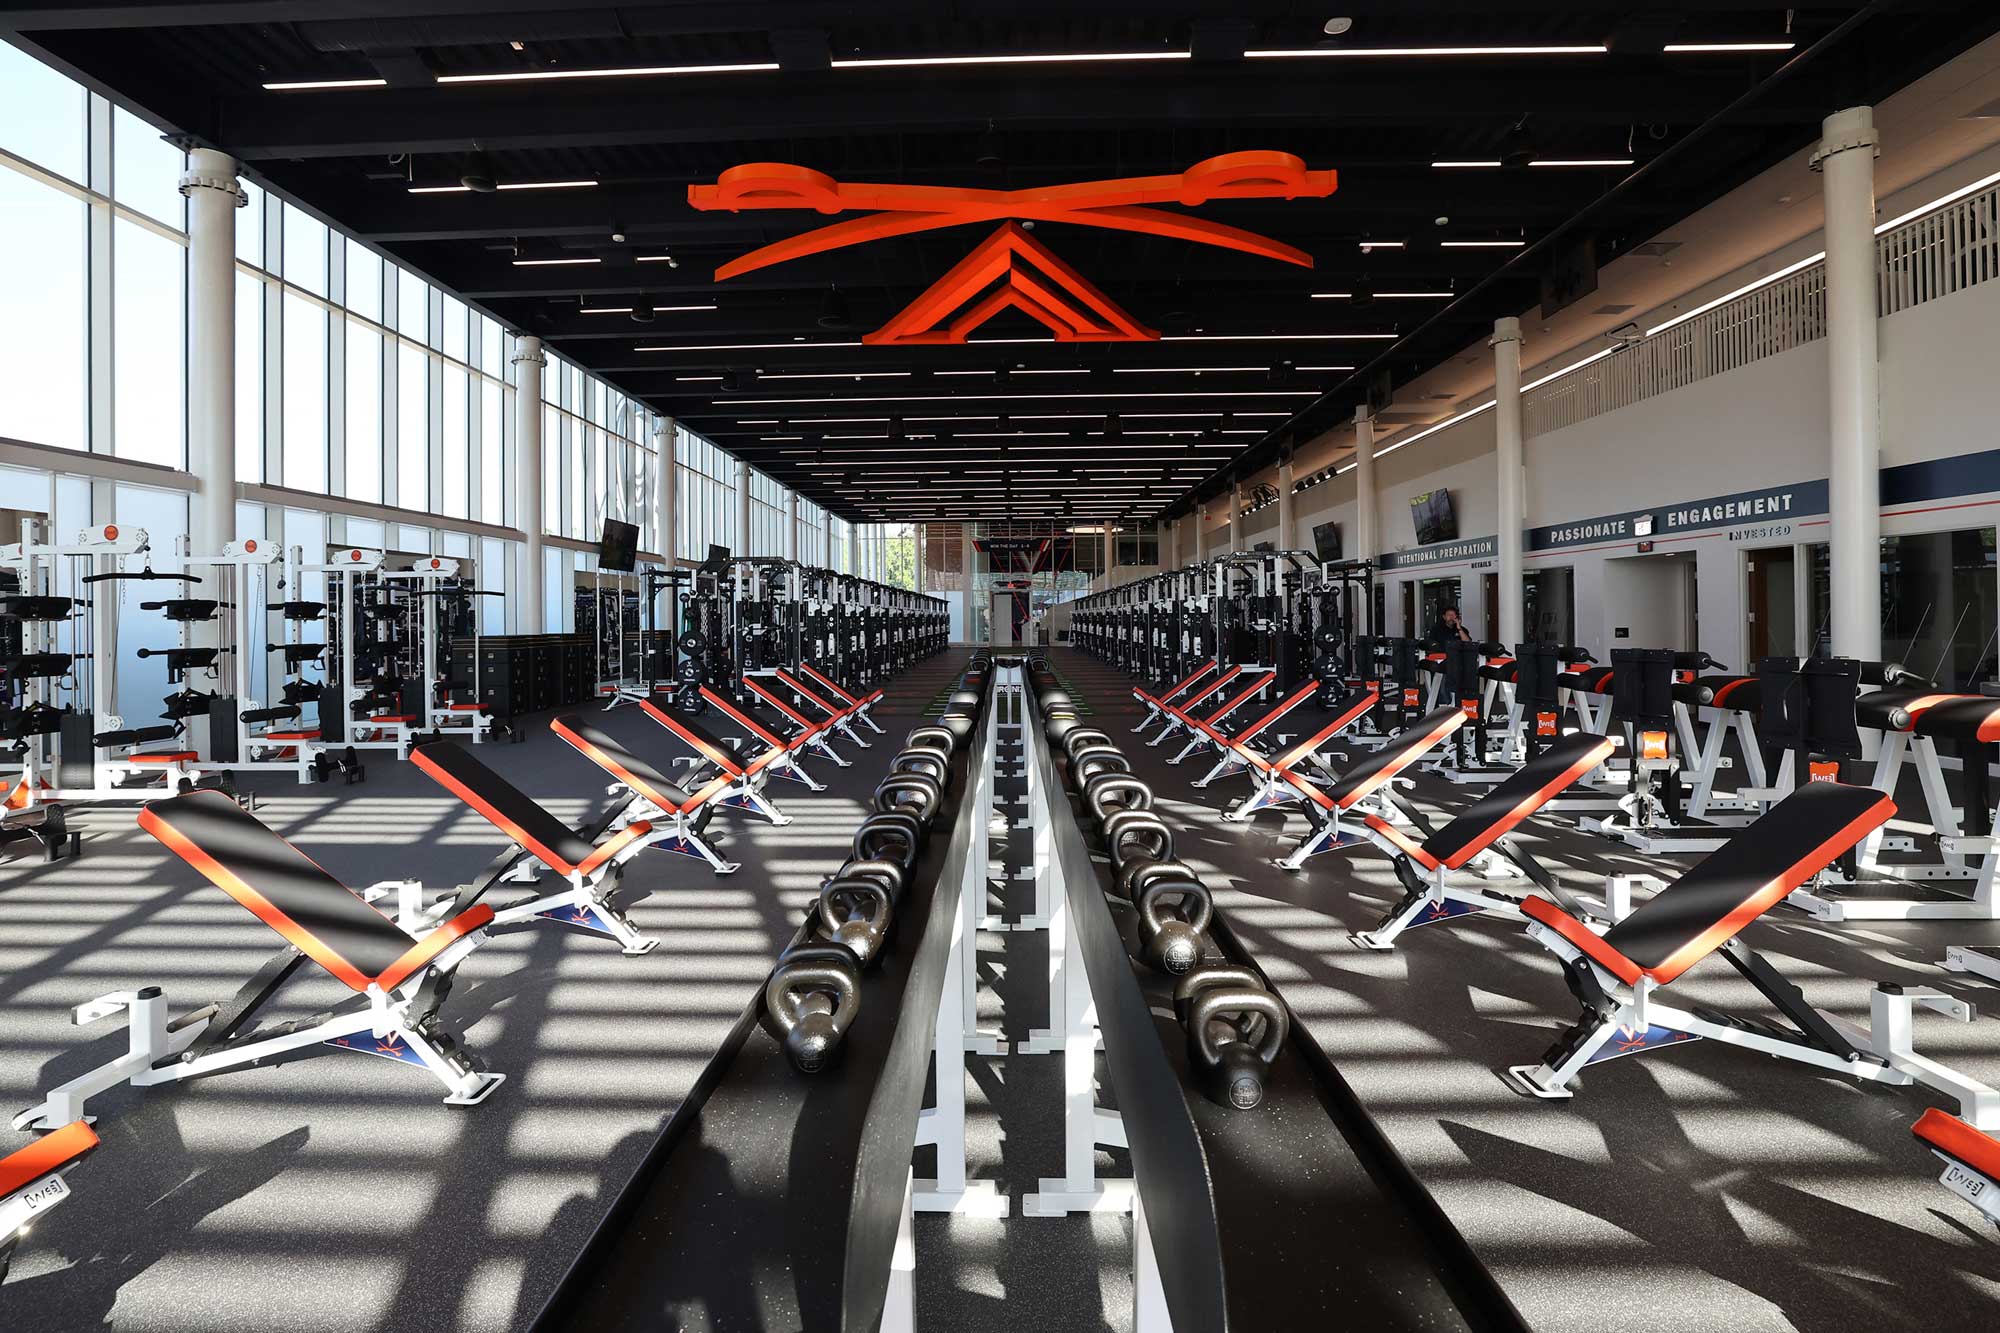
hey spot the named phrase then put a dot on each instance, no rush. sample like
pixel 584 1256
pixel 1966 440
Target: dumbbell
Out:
pixel 810 1001
pixel 1173 912
pixel 854 912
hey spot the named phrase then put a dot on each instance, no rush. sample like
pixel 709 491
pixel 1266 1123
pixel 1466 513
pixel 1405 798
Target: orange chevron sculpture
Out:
pixel 1118 205
pixel 1030 279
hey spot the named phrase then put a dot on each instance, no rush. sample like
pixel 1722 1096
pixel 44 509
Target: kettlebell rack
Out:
pixel 824 1145
pixel 1218 1101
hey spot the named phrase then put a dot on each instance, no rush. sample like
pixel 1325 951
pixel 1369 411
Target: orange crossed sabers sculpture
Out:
pixel 1120 205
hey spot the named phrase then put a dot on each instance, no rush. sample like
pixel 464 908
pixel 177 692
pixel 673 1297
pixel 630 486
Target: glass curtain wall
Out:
pixel 372 407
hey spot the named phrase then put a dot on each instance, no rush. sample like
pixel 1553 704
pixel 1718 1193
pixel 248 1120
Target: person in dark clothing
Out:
pixel 1449 628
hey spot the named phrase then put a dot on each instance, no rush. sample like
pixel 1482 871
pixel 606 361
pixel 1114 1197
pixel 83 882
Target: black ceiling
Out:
pixel 911 439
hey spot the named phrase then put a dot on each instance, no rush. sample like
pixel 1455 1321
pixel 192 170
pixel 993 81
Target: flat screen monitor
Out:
pixel 1435 520
pixel 618 547
pixel 1326 541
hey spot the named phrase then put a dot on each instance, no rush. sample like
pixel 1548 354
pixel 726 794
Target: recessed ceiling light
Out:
pixel 630 72
pixel 315 85
pixel 549 263
pixel 1419 52
pixel 1061 58
pixel 698 379
pixel 1334 27
pixel 836 375
pixel 741 347
pixel 1709 48
pixel 504 185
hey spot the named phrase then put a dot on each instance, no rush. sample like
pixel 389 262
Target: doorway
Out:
pixel 1489 602
pixel 1549 605
pixel 1433 596
pixel 1651 601
pixel 1771 603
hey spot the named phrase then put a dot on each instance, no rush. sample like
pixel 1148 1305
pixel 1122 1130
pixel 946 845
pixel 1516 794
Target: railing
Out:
pixel 1944 251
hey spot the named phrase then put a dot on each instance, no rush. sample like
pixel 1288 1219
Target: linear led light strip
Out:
pixel 1480 245
pixel 1012 397
pixel 626 309
pixel 1051 58
pixel 504 185
pixel 1544 162
pixel 1386 296
pixel 551 263
pixel 836 375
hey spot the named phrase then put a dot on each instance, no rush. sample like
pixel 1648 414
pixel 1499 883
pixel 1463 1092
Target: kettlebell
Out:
pixel 1234 1070
pixel 1209 976
pixel 810 1000
pixel 854 913
pixel 1173 930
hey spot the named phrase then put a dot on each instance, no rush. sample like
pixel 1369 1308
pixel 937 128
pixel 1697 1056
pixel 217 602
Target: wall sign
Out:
pixel 1764 505
pixel 1443 553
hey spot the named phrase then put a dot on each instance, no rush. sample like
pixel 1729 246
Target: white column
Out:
pixel 528 362
pixel 213 197
pixel 971 579
pixel 792 526
pixel 1287 539
pixel 1846 162
pixel 1365 538
pixel 1200 533
pixel 854 549
pixel 1512 487
pixel 743 508
pixel 667 495
pixel 1235 517
pixel 1110 550
pixel 917 536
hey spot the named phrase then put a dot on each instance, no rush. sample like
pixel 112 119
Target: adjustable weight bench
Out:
pixel 1971 1160
pixel 1324 806
pixel 677 818
pixel 1472 840
pixel 1158 699
pixel 31 1181
pixel 1207 728
pixel 1178 715
pixel 1239 753
pixel 1616 975
pixel 402 976
pixel 857 704
pixel 837 716
pixel 785 764
pixel 745 789
pixel 810 736
pixel 588 870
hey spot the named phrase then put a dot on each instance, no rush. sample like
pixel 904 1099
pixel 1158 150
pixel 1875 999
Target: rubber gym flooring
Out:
pixel 337 1192
pixel 1695 1188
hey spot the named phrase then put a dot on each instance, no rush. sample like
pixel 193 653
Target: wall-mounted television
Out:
pixel 618 547
pixel 1433 515
pixel 1326 541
